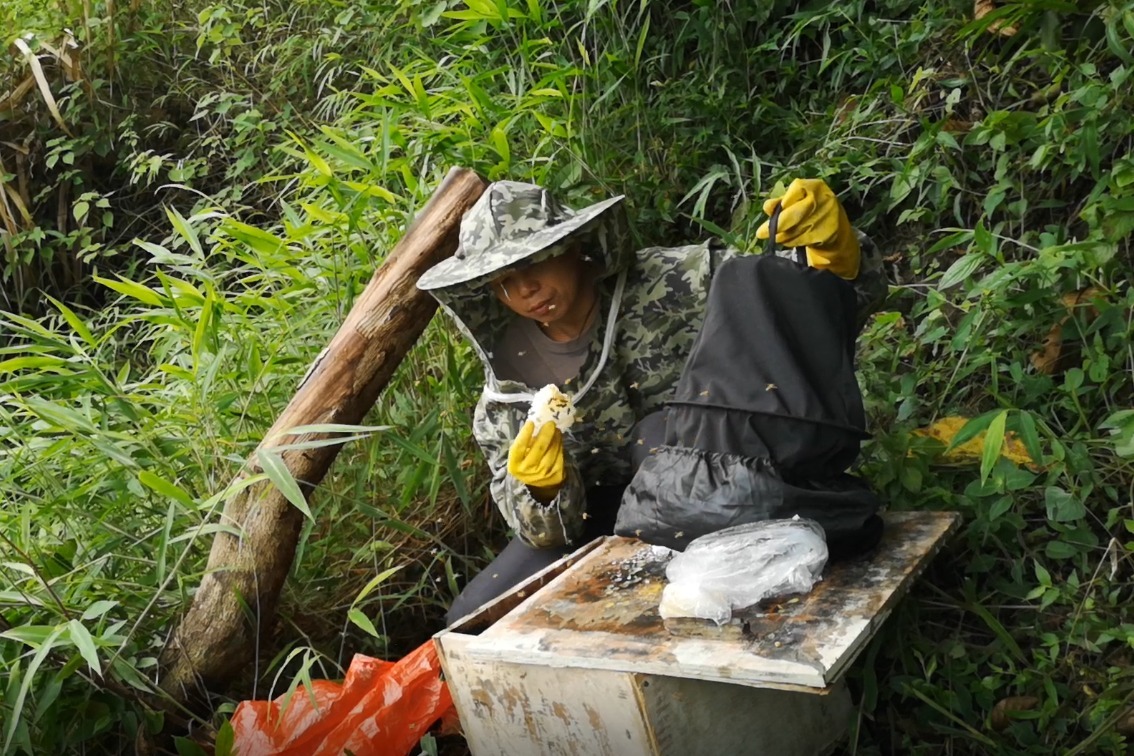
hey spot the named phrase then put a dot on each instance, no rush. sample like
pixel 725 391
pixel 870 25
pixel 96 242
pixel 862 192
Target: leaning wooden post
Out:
pixel 245 574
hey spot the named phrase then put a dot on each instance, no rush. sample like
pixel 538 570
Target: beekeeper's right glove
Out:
pixel 536 459
pixel 813 218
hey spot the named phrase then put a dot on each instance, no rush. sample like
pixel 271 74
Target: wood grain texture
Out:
pixel 603 614
pixel 239 593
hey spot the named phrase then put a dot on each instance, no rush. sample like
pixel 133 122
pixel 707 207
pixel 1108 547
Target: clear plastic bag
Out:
pixel 740 566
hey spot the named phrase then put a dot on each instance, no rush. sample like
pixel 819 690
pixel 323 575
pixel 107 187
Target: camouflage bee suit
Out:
pixel 651 304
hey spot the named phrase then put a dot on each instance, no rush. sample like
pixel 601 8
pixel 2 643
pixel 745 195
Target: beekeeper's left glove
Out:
pixel 813 218
pixel 536 459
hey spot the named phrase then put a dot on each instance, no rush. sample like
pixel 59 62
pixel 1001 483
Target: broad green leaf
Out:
pixel 431 16
pixel 18 598
pixel 31 363
pixel 318 443
pixel 642 36
pixel 999 508
pixel 164 487
pixel 1062 506
pixel 225 740
pixel 98 608
pixel 1009 643
pixel 958 239
pixel 961 270
pixel 345 151
pixel 455 475
pixel 204 323
pixel 984 240
pixel 372 190
pixel 83 641
pixel 73 320
pixel 132 289
pixel 1121 427
pixel 993 443
pixel 27 326
pixel 281 477
pixel 257 238
pixel 187 232
pixel 971 429
pixel 415 449
pixel 187 747
pixel 32 635
pixel 59 416
pixel 359 618
pixel 1026 425
pixel 1061 550
pixel 322 215
pixel 375 581
pixel 500 143
pixel 15 712
pixel 162 546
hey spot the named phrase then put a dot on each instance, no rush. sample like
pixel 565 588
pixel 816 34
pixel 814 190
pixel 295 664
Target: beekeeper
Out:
pixel 551 295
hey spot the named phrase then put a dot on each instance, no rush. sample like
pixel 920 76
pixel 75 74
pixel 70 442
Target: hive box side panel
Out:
pixel 689 716
pixel 522 710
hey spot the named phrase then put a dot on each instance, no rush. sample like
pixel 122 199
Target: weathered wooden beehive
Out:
pixel 578 661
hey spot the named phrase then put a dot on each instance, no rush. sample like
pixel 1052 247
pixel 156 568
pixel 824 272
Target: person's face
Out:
pixel 545 291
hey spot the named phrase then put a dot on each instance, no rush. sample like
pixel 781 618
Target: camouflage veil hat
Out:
pixel 510 223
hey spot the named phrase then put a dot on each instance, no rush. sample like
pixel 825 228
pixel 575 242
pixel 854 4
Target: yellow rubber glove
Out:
pixel 813 218
pixel 536 459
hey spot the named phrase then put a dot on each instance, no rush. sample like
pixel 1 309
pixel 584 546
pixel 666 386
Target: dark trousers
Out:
pixel 518 561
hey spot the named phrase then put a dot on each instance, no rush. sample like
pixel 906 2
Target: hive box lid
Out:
pixel 602 613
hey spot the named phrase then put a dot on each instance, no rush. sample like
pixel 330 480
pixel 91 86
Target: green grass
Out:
pixel 258 165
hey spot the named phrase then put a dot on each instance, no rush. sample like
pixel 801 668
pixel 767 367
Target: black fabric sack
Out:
pixel 766 418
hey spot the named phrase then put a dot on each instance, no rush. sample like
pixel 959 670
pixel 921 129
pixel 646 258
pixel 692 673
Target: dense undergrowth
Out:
pixel 188 219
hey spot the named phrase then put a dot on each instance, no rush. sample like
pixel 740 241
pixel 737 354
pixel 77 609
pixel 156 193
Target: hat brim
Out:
pixel 455 271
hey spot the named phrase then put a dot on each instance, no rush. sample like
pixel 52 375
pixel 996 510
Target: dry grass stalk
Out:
pixel 41 80
pixel 9 192
pixel 13 99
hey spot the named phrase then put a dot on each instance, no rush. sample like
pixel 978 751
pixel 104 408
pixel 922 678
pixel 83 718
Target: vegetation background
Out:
pixel 193 192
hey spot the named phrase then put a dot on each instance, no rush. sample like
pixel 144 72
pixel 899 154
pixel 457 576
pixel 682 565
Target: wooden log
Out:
pixel 215 639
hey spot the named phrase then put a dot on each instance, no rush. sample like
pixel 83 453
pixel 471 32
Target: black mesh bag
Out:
pixel 766 419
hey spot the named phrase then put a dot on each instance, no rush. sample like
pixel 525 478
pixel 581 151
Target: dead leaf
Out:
pixel 956 126
pixel 15 98
pixel 7 193
pixel 970 452
pixel 1125 724
pixel 845 108
pixel 41 80
pixel 1056 356
pixel 982 8
pixel 68 57
pixel 1005 707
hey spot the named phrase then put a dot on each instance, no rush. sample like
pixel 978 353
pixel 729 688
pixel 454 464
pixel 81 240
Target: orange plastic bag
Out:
pixel 381 709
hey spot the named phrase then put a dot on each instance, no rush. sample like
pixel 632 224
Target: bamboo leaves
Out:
pixel 271 455
pixel 356 615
